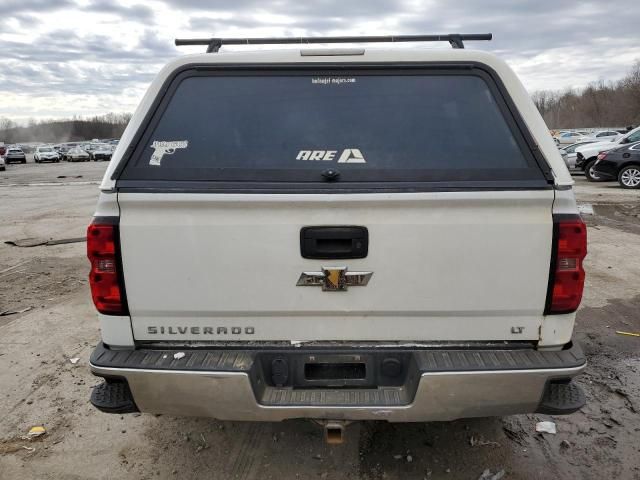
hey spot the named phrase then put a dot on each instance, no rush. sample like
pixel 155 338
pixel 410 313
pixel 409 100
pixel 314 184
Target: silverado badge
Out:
pixel 334 279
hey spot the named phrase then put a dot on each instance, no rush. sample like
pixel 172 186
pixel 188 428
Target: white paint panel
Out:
pixel 337 327
pixel 449 265
pixel 116 330
pixel 107 205
pixel 556 330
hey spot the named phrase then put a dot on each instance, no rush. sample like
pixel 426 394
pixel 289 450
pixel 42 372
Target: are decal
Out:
pixel 348 155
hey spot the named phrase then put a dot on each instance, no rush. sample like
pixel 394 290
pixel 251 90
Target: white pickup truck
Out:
pixel 337 234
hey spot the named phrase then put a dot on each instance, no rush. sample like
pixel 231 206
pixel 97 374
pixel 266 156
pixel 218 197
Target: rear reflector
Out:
pixel 566 281
pixel 105 277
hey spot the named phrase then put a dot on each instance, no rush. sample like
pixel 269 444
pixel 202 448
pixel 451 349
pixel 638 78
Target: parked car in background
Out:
pixel 567 138
pixel 2 166
pixel 587 155
pixel 88 147
pixel 3 149
pixel 76 154
pixel 62 150
pixel 622 164
pixel 46 154
pixel 569 154
pixel 606 135
pixel 15 155
pixel 101 152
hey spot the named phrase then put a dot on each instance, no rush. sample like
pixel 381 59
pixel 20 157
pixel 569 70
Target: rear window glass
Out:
pixel 368 127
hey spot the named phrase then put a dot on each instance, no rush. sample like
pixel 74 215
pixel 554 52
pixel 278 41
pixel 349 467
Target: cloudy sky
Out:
pixel 60 58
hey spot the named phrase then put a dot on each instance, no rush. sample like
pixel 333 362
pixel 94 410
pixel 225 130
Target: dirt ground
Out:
pixel 55 322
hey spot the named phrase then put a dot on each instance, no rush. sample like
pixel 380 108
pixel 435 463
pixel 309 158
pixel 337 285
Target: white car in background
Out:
pixel 569 153
pixel 2 166
pixel 568 138
pixel 604 135
pixel 77 154
pixel 46 154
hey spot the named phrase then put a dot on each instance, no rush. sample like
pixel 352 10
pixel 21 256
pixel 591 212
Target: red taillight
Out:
pixel 103 250
pixel 567 278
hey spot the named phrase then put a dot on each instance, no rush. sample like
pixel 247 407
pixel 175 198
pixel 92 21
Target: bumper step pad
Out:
pixel 113 397
pixel 562 399
pixel 435 360
pixel 382 397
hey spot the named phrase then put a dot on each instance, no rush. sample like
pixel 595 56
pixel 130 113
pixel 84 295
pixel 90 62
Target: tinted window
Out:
pixel 634 137
pixel 369 127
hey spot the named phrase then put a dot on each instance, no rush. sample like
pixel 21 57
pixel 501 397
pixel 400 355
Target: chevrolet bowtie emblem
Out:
pixel 334 279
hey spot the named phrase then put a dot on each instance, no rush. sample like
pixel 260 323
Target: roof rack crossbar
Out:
pixel 213 44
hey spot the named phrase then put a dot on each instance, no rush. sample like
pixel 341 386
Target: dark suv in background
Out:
pixel 622 164
pixel 15 155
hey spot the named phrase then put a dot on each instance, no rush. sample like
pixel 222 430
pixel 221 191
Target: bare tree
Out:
pixel 52 131
pixel 600 104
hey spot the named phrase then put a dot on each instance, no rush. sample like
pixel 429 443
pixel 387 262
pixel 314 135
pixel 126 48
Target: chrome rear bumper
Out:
pixel 440 393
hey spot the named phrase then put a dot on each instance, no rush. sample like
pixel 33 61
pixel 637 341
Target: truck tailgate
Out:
pixel 452 265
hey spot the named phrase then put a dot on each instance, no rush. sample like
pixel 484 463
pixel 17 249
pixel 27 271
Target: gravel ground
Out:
pixel 40 386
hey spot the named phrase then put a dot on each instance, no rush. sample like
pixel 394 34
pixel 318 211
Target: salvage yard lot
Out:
pixel 47 284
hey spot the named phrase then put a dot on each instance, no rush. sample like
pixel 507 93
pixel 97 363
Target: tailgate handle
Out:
pixel 334 242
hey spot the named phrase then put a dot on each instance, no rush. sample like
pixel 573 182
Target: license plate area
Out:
pixel 333 369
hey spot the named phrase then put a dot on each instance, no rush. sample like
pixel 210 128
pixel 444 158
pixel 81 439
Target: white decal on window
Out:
pixel 326 155
pixel 332 80
pixel 351 155
pixel 165 148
